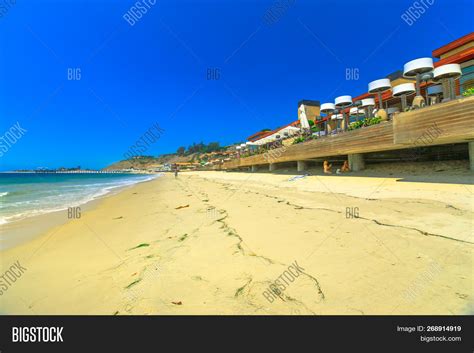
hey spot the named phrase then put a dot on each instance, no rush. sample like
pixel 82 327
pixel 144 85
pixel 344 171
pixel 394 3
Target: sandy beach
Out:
pixel 216 242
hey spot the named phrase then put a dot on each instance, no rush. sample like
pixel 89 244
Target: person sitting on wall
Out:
pixel 345 167
pixel 327 167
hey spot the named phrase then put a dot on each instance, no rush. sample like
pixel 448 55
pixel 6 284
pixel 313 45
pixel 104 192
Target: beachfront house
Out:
pixel 393 115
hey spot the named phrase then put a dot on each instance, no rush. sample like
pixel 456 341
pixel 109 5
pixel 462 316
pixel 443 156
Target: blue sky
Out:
pixel 155 71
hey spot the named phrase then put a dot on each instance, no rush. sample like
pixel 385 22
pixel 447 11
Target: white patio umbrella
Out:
pixel 303 119
pixel 289 130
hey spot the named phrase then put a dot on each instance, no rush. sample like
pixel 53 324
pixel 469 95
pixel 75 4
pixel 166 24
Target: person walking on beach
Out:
pixel 176 172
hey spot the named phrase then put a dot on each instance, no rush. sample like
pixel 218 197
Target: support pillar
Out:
pixel 471 155
pixel 254 168
pixel 301 166
pixel 272 167
pixel 356 162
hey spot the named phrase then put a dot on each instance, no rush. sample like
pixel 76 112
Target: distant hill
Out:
pixel 145 162
pixel 197 152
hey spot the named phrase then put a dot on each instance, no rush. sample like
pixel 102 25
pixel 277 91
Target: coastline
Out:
pixel 138 252
pixel 15 232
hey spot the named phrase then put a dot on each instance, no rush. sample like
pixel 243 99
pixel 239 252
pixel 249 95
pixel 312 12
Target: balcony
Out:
pixel 452 121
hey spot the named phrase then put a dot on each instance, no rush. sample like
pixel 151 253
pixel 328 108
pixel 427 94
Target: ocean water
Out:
pixel 28 194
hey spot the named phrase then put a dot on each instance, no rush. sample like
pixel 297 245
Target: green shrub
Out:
pixel 372 121
pixel 468 92
pixel 298 140
pixel 356 124
pixel 366 122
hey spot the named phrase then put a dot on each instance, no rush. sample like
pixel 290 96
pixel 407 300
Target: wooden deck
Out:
pixel 450 122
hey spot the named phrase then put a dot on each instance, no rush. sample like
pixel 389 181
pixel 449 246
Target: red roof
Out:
pixel 453 45
pixel 256 136
pixel 463 56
